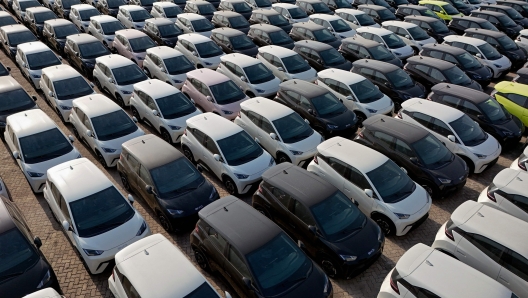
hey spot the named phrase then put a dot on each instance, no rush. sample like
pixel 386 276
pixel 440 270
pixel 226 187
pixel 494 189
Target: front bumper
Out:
pixel 483 164
pixel 352 269
pixel 37 183
pixel 404 226
pixel 111 159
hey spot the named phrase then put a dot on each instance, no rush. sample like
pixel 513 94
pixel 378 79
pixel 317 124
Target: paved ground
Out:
pixel 75 281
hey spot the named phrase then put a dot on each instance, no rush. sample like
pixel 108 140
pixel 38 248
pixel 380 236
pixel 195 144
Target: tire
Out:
pixel 329 267
pixel 165 223
pixel 76 133
pixel 53 214
pixel 416 51
pixel 199 66
pixel 188 153
pixel 202 261
pixel 386 225
pixel 360 118
pixel 262 211
pixel 230 186
pixel 60 115
pixel 124 181
pixel 165 135
pixel 250 94
pixel 98 85
pixel 147 72
pixel 321 132
pixel 101 159
pixel 281 157
pixel 120 101
pixel 135 113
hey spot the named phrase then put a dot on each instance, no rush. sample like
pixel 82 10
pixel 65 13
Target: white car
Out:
pixel 357 93
pixel 286 64
pixel 375 183
pixel 80 15
pixel 151 266
pixel 163 107
pixel 62 84
pixel 335 24
pixel 115 75
pixel 497 63
pixel 166 10
pixel 250 74
pixel 103 126
pixel 386 37
pixel 461 135
pixel 356 18
pixel 522 39
pixel 19 7
pixel 410 33
pixel 37 144
pixel 45 293
pixel 291 12
pixel 32 57
pixel 168 65
pixel 200 50
pixel 103 28
pixel 425 272
pixel 262 4
pixel 13 35
pixel 194 23
pixel 226 150
pixel 508 192
pixel 133 16
pixel 97 219
pixel 279 130
pixel 521 163
pixel 490 241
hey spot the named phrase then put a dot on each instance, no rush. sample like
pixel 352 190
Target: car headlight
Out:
pixel 326 284
pixel 177 81
pixel 397 54
pixel 175 212
pixel 2 123
pixel 35 76
pixel 260 90
pixel 168 42
pixel 66 108
pixel 174 127
pixel 506 132
pixel 126 92
pixel 141 58
pixel 108 150
pixel 348 258
pixel 515 56
pixel 331 126
pixel 142 228
pixel 497 65
pixel 208 63
pixel 227 112
pixel 481 156
pixel 34 174
pixel 89 64
pixel 241 176
pixel 444 180
pixel 402 216
pixel 272 162
pixel 372 111
pixel 93 252
pixel 44 280
pixel 477 77
pixel 213 193
pixel 138 26
pixel 296 152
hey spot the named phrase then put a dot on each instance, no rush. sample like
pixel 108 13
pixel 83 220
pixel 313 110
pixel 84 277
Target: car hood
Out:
pixel 289 45
pixel 347 65
pixel 269 86
pixel 286 28
pixel 343 121
pixel 42 167
pixel 310 74
pixel 403 51
pixel 234 106
pixel 213 60
pixel 252 52
pixel 503 61
pixel 473 85
pixel 427 41
pixel 483 72
pixel 456 170
pixel 360 243
pixel 312 286
pixel 181 121
pixel 411 204
pixel 381 104
pixel 307 145
pixel 257 165
pixel 27 282
pixel 301 20
pixel 488 147
pixel 190 202
pixel 346 34
pixel 335 44
pixel 4 116
pixel 514 125
pixel 415 91
pixel 116 143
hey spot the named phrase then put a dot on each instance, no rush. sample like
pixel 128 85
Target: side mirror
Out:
pixel 408 36
pixel 34 98
pixel 307 122
pixel 8 68
pixel 134 119
pixel 280 68
pixel 451 138
pixel 71 138
pixel 247 282
pixel 91 84
pixel 77 54
pixel 311 112
pixel 131 199
pixel 243 78
pixel 66 225
pixel 148 189
pixel 273 136
pixel 301 245
pixel 16 154
pixel 227 295
pixel 414 160
pixel 155 113
pixel 209 98
pixel 478 55
pixel 38 242
pixel 89 133
pixel 403 170
pixel 194 53
pixel 24 64
pixel 50 94
pixel 110 80
pixel 99 31
pixel 313 230
pixel 216 157
pixel 350 98
pixel 330 29
pixel 163 70
pixel 369 193
pixel 200 168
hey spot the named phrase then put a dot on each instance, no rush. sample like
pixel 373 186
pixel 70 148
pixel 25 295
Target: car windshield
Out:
pixel 178 65
pixel 450 10
pixel 206 9
pixel 139 15
pixel 292 128
pixel 381 3
pixel 175 106
pixel 439 27
pixel 112 4
pixel 524 7
pixel 366 92
pixel 392 184
pixel 343 4
pixel 202 25
pixel 513 14
pixel 418 33
pixel 113 125
pixel 386 14
pixel 399 79
pixel 468 131
pixel 327 105
pixel 258 74
pixel 15 100
pixel 203 291
pixel 44 16
pixel 495 113
pixel 20 37
pixel 364 19
pixel 67 4
pixel 65 30
pixel 507 43
pixel 16 254
pixel 428 13
pixel 393 41
pixel 297 13
pixel 323 35
pixel 172 11
pixel 320 7
pixel 241 7
pixel 170 30
pixel 7 20
pixel 93 50
pixel 332 57
pixel 337 217
pixel 208 49
pixel 460 5
pixel 488 26
pixel 295 64
pixel 278 265
pixel 141 44
pixel 456 76
pixel 506 21
pixel 44 146
pixel 238 22
pixel 468 61
pixel 100 212
pixel 263 3
pixel 241 42
pixel 475 2
pixel 380 53
pixel 88 13
pixel 109 28
pixel 279 37
pixel 72 88
pixel 489 52
pixel 239 148
pixel 128 75
pixel 226 92
pixel 278 20
pixel 176 178
pixel 432 153
pixel 27 4
pixel 146 2
pixel 340 26
pixel 41 60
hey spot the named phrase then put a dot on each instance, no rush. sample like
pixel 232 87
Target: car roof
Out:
pixel 506 176
pixel 233 1
pixel 413 6
pixel 8 83
pixel 30 122
pixel 156 88
pixel 267 108
pixel 375 64
pixel 371 6
pixel 468 94
pixel 308 25
pixel 214 126
pixel 240 59
pixel 95 105
pixel 464 39
pixel 208 76
pixel 422 18
pixel 495 34
pixel 512 87
pixel 164 52
pixel 401 24
pixel 325 16
pixel 14 28
pixel 60 72
pixel 199 2
pixel 159 21
pixel 280 52
pixel 431 108
pixel 130 33
pixel 227 13
pixel 104 19
pixel 57 22
pixel 33 47
pixel 229 32
pixel 38 9
pixel 266 12
pixel 285 5
pixel 165 4
pixel 81 7
pixel 305 88
pixel 364 158
pixel 340 75
pixel 439 3
pixel 194 38
pixel 402 130
pixel 82 38
pixel 314 45
pixel 489 12
pixel 469 18
pixel 350 11
pixel 131 7
pixel 6 222
pixel 265 27
pixel 190 16
pixel 310 1
pixel 444 48
pixel 113 60
pixel 360 41
pixel 497 6
pixel 243 227
pixel 373 30
pixel 152 151
pixel 433 62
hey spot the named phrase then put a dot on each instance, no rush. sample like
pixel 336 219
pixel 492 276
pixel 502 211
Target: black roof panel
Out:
pixel 469 94
pixel 436 63
pixel 402 130
pixel 377 65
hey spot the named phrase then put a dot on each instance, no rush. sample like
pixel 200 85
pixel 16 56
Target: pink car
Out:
pixel 214 92
pixel 132 44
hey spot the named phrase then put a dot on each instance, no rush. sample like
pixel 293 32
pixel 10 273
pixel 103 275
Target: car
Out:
pixel 291 12
pixel 356 48
pixel 37 144
pixel 300 202
pixel 6 19
pixel 109 7
pixel 133 16
pixel 423 270
pixel 286 64
pixel 163 107
pixel 4 70
pixel 133 44
pixel 313 31
pixel 226 150
pixel 517 5
pixel 279 130
pixel 239 6
pixel 482 237
pixel 397 209
pixel 356 18
pixel 404 10
pixel 380 14
pixel 81 50
pixel 313 6
pixel 321 56
pixel 265 35
pixel 163 262
pixel 442 9
pixel 456 130
pixel 521 162
pixel 270 17
pixel 425 159
pixel 4 191
pixel 165 9
pixel 410 33
pixel 383 3
pixel 483 109
pixel 521 76
pixel 509 11
pixel 63 7
pixel 44 293
pixel 215 3
pixel 389 39
pixel 498 64
pixel 200 50
pixel 35 18
pixel 230 19
pixel 514 98
pixel 234 41
pixel 194 23
pixel 460 24
pixel 13 99
pixel 522 39
pixel 168 65
pixel 104 28
pixel 13 35
pixel 19 7
pixel 462 6
pixel 200 7
pixel 180 3
pixel 32 57
pixel 146 4
pixel 32 271
pixel 55 32
pixel 390 79
pixel 500 20
pixel 337 4
pixel 163 31
pixel 259 4
pixel 80 15
pixel 434 27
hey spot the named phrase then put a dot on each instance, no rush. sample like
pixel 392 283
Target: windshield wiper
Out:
pixel 11 275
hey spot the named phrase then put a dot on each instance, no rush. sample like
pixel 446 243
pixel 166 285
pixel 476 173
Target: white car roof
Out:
pixel 326 17
pixel 104 19
pixel 213 125
pixel 113 61
pixel 95 105
pixel 350 11
pixel 14 28
pixel 190 16
pixel 280 52
pixel 194 38
pixel 240 59
pixel 346 77
pixel 131 7
pixel 431 108
pixel 60 72
pixel 80 7
pixel 38 9
pixel 401 24
pixel 78 178
pixel 158 268
pixel 364 158
pixel 33 47
pixel 164 52
pixel 44 293
pixel 465 39
pixel 513 180
pixel 377 31
pixel 267 108
pixel 285 5
pixel 156 88
pixel 30 122
pixel 164 4
pixel 57 22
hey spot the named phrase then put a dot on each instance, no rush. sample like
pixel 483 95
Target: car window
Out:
pixel 489 247
pixel 55 192
pixel 266 126
pixel 403 148
pixel 422 118
pixel 450 58
pixel 134 164
pixel 440 127
pixel 356 177
pixel 422 68
pixel 384 138
pixel 450 100
pixel 200 136
pixel 516 264
pixel 283 197
pixel 145 176
pixel 305 103
pixel 303 214
pixel 237 261
pixel 218 241
pixel 516 98
pixel 64 209
pixel 338 166
pixel 129 288
pixel 210 145
pixel 437 75
pixel 469 108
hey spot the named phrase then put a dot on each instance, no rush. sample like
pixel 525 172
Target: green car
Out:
pixel 442 9
pixel 514 98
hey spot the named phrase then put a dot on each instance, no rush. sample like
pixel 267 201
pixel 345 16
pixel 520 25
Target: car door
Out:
pixel 480 253
pixel 235 270
pixel 19 57
pixel 66 216
pixel 514 271
pixel 54 200
pixel 265 128
pixel 88 128
pixel 214 246
pixel 143 181
pixel 515 104
pixel 210 149
pixel 131 170
pixel 299 224
pixel 152 108
pixel 280 212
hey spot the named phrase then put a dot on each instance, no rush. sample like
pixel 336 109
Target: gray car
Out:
pixel 13 99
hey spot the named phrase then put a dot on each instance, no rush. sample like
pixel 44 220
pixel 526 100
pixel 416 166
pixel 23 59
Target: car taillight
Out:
pixel 491 196
pixel 448 232
pixel 521 164
pixel 260 189
pixel 196 229
pixel 400 114
pixel 360 134
pixel 315 160
pixel 185 132
pixel 394 285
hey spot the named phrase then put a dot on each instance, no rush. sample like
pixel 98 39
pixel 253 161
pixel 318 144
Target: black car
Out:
pixel 461 6
pixel 200 7
pixel 109 7
pixel 265 35
pixel 163 31
pixel 35 18
pixel 81 50
pixel 520 6
pixel 7 19
pixel 248 249
pixel 516 16
pixel 312 31
pixel 390 79
pixel 13 99
pixel 337 4
pixel 427 161
pixel 311 210
pixel 4 71
pixel 13 35
pixel 62 7
pixel 230 19
pixel 321 56
pixel 503 44
pixel 522 76
pixel 55 32
pixel 353 49
pixel 461 58
pixel 234 41
pixel 414 10
pixel 460 24
pixel 26 269
pixel 396 3
pixel 436 28
pixel 375 2
pixel 146 4
pixel 239 6
pixel 380 14
pixel 270 17
pixel 503 22
pixel 259 4
pixel 482 108
pixel 313 6
pixel 325 113
pixel 215 3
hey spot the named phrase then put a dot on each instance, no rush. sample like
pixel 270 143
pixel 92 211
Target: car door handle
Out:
pixel 346 189
pixel 227 273
pixel 500 276
pixel 461 252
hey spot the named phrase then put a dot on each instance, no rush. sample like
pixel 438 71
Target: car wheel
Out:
pixel 165 223
pixel 188 153
pixel 250 94
pixel 428 189
pixel 124 181
pixel 120 101
pixel 98 85
pixel 101 159
pixel 360 118
pixel 262 211
pixel 202 261
pixel 166 136
pixel 329 267
pixel 281 157
pixel 199 66
pixel 76 133
pixel 386 225
pixel 469 164
pixel 230 186
pixel 53 214
pixel 147 72
pixel 60 115
pixel 321 132
pixel 135 113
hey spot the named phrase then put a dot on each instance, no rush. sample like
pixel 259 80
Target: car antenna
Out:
pixel 146 252
pixel 225 209
pixel 143 141
pixel 448 86
pixel 284 171
pixel 382 120
pixel 71 168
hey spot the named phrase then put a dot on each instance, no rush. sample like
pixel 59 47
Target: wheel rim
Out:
pixel 76 133
pixel 385 227
pixel 120 101
pixel 230 186
pixel 164 223
pixel 166 137
pixel 428 189
pixel 200 259
pixel 360 119
pixel 101 159
pixel 188 154
pixel 329 268
pixel 124 180
pixel 97 84
pixel 283 158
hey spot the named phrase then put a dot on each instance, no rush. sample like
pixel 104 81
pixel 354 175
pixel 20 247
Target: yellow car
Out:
pixel 442 9
pixel 514 98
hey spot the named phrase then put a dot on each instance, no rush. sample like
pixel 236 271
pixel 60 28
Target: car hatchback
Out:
pixel 267 35
pixel 13 99
pixel 230 19
pixel 270 17
pixel 13 35
pixel 442 9
pixel 321 56
pixel 313 31
pixel 514 98
pixel 32 57
pixel 167 65
pixel 434 27
pixel 389 39
pixel 133 44
pixel 81 50
pixel 356 48
pixel 234 41
pixel 163 31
